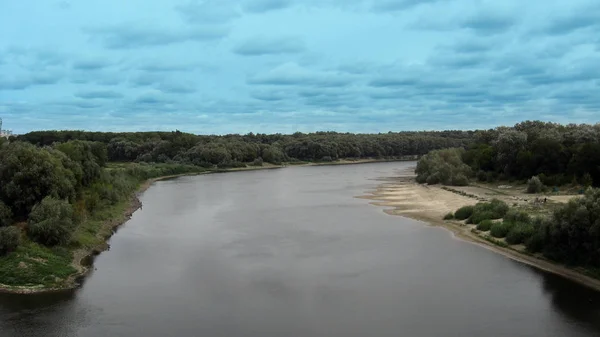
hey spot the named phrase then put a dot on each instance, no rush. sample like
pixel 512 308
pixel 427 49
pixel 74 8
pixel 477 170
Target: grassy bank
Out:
pixel 34 268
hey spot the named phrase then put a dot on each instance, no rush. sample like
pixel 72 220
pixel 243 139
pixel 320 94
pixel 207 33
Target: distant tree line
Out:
pixel 232 150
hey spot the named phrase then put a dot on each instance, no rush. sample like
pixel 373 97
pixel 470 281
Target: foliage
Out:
pixel 6 215
pixel 496 209
pixel 9 239
pixel 443 166
pixel 534 185
pixel 449 216
pixel 514 215
pixel 501 229
pixel 485 225
pixel 51 222
pixel 257 162
pixel 520 233
pixel 572 234
pixel 28 174
pixel 464 212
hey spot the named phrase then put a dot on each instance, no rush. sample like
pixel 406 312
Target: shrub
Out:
pixel 501 229
pixel 51 222
pixel 257 162
pixel 534 185
pixel 460 180
pixel 519 233
pixel 443 166
pixel 9 239
pixel 492 210
pixel 6 215
pixel 433 179
pixel 482 176
pixel 480 216
pixel 464 213
pixel 449 216
pixel 535 243
pixel 485 225
pixel 514 215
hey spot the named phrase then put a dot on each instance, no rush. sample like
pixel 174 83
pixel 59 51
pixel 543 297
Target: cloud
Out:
pixel 400 5
pixel 91 64
pixel 208 11
pixel 388 81
pixel 24 82
pixel 566 24
pixel 135 36
pixel 177 87
pixel 153 98
pixel 269 45
pixel 292 74
pixel 100 94
pixel 146 79
pixel 489 23
pixel 269 96
pixel 262 6
pixel 166 67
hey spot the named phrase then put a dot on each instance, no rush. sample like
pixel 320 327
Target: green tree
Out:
pixel 51 222
pixel 28 174
pixel 10 238
pixel 6 215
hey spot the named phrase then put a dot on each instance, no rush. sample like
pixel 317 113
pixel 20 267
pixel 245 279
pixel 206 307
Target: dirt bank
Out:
pixel 402 196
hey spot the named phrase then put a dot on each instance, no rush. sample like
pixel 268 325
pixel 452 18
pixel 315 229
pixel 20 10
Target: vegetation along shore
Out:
pixel 63 193
pixel 529 192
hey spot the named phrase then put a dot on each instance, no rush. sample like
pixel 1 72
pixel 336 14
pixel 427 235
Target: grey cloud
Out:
pixel 178 87
pixel 24 82
pixel 208 11
pixel 101 94
pixel 399 5
pixel 264 45
pixel 146 79
pixel 152 99
pixel 136 36
pixel 91 64
pixel 489 23
pixel 166 67
pixel 14 84
pixel 393 82
pixel 292 74
pixel 262 6
pixel 269 96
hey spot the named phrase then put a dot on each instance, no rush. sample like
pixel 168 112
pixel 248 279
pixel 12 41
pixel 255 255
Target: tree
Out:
pixel 6 215
pixel 28 174
pixel 534 185
pixel 51 222
pixel 10 238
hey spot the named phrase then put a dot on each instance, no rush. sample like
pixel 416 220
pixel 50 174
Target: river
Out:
pixel 290 252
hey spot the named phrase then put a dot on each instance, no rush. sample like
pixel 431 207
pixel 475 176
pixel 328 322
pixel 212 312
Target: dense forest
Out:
pixel 556 154
pixel 231 150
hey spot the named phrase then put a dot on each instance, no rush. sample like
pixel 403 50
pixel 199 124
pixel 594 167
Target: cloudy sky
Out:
pixel 224 66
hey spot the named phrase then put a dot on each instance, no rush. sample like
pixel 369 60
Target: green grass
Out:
pixel 35 265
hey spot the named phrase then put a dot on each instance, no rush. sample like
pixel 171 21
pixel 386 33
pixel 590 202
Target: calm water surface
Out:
pixel 291 253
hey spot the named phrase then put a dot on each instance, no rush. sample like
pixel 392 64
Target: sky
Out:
pixel 268 66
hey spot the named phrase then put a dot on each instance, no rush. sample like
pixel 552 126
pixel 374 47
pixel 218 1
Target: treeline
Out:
pixel 47 192
pixel 234 150
pixel 556 154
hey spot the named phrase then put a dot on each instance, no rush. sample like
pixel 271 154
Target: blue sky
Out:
pixel 221 66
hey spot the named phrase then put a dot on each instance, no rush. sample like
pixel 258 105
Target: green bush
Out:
pixel 6 215
pixel 460 180
pixel 514 215
pixel 257 162
pixel 536 242
pixel 9 239
pixel 534 185
pixel 492 210
pixel 464 213
pixel 485 225
pixel 501 229
pixel 519 233
pixel 449 216
pixel 51 222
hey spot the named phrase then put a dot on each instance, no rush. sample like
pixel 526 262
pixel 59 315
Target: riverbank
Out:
pixel 65 271
pixel 402 196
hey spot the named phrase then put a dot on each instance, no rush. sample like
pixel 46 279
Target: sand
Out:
pixel 402 196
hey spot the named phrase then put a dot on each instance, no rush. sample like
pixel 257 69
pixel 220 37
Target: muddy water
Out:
pixel 290 252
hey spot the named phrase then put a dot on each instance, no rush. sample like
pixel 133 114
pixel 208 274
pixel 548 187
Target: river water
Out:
pixel 290 252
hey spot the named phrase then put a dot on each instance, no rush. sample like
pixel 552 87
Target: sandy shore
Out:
pixel 402 196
